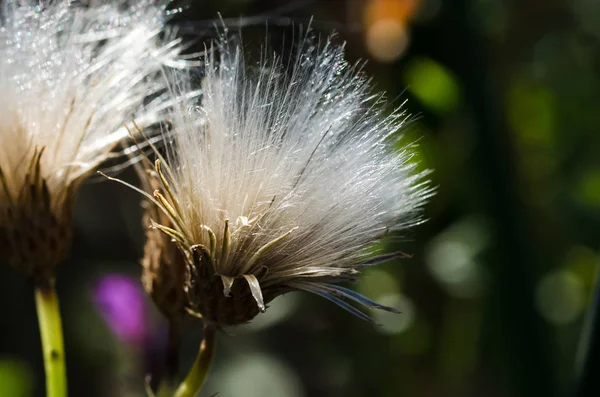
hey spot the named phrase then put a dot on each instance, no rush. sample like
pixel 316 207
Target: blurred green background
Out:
pixel 505 98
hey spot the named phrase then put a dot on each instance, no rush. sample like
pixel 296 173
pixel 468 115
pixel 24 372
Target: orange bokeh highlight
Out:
pixel 399 10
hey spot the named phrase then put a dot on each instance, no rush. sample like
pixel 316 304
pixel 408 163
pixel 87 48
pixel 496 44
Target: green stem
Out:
pixel 192 384
pixel 164 389
pixel 48 313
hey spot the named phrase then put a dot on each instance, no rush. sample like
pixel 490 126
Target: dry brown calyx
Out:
pixel 222 301
pixel 163 265
pixel 35 223
pixel 181 275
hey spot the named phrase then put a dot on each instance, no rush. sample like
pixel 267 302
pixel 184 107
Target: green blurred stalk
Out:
pixel 164 389
pixel 520 343
pixel 48 313
pixel 194 380
pixel 587 382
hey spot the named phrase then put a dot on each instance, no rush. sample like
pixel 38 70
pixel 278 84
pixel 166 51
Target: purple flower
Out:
pixel 121 303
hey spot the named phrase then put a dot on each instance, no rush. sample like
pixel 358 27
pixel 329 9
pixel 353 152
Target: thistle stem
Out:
pixel 164 389
pixel 194 380
pixel 49 320
pixel 588 355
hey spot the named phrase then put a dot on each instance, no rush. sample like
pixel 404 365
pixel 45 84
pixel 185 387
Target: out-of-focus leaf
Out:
pixel 16 379
pixel 433 84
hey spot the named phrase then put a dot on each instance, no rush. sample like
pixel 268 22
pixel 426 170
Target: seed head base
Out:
pixel 170 255
pixel 35 226
pixel 164 268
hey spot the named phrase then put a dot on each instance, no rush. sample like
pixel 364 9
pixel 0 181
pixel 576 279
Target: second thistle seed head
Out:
pixel 278 179
pixel 71 77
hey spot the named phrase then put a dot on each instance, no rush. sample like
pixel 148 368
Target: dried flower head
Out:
pixel 163 264
pixel 71 78
pixel 279 179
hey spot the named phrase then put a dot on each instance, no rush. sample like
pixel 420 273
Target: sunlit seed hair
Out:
pixel 279 178
pixel 72 78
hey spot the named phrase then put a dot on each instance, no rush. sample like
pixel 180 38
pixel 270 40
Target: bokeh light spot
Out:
pixel 452 258
pixel 434 85
pixel 587 189
pixel 258 375
pixel 393 323
pixel 16 379
pixel 387 39
pixel 560 297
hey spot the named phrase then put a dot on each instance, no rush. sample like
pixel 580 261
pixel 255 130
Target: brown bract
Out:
pixel 164 269
pixel 221 301
pixel 35 224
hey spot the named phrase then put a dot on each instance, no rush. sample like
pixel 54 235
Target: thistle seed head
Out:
pixel 71 78
pixel 279 178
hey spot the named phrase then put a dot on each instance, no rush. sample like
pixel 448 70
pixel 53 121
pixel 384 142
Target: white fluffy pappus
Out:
pixel 280 177
pixel 71 77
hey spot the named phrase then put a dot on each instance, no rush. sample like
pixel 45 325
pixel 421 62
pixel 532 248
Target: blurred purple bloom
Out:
pixel 121 303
